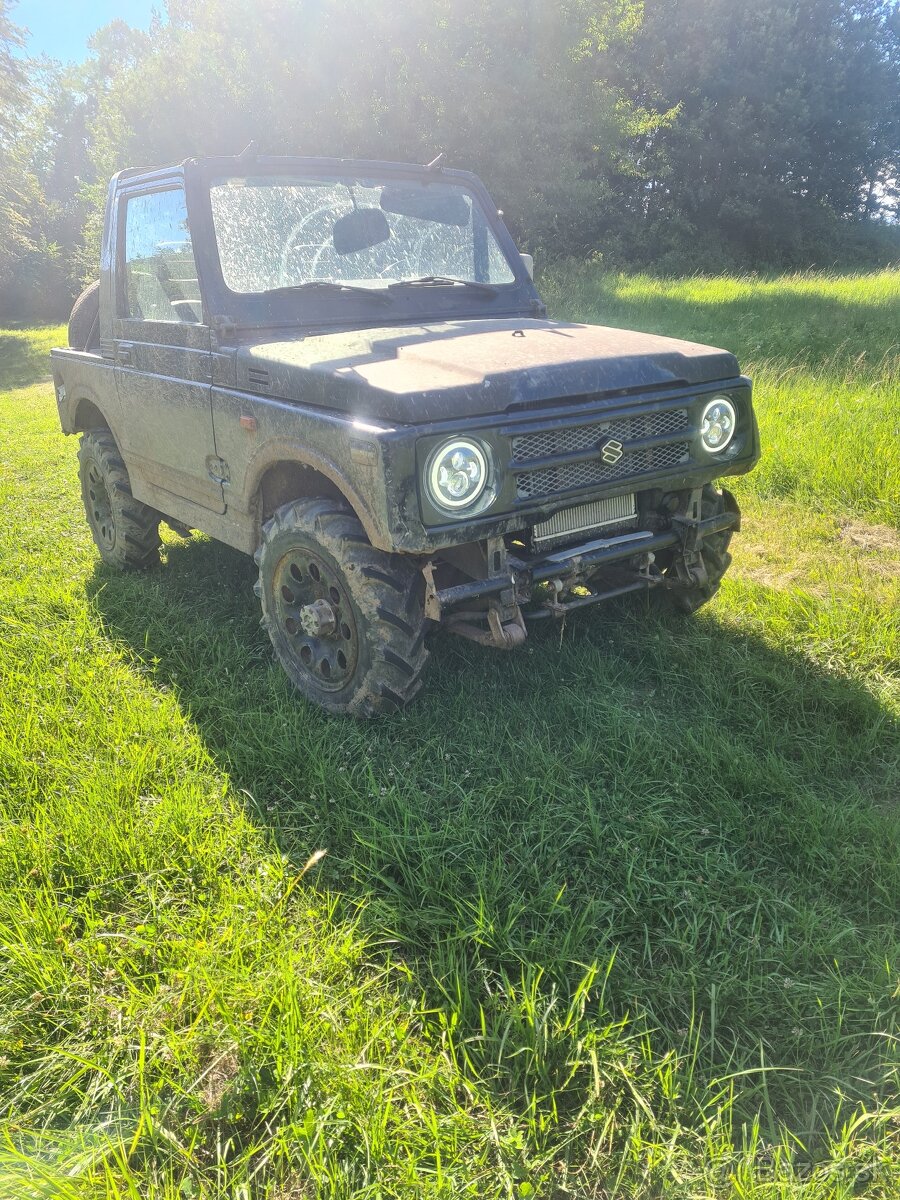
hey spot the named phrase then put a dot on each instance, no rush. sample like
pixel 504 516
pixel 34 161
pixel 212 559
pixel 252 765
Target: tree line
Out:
pixel 676 135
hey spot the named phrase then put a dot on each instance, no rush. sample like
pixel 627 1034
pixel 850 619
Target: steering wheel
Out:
pixel 406 257
pixel 317 225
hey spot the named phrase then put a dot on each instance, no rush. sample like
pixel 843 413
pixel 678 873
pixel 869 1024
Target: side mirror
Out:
pixel 360 230
pixel 528 260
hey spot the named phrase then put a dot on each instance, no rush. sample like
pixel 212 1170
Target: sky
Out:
pixel 61 28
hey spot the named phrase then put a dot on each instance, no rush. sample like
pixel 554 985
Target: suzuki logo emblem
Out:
pixel 611 451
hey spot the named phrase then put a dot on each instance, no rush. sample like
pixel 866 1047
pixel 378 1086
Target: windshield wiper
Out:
pixel 485 289
pixel 327 285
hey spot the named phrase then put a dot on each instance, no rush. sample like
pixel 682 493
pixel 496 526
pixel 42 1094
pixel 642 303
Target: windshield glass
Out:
pixel 283 232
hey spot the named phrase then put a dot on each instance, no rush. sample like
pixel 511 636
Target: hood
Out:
pixel 409 374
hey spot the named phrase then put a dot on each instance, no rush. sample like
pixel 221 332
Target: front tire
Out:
pixel 346 621
pixel 125 531
pixel 714 553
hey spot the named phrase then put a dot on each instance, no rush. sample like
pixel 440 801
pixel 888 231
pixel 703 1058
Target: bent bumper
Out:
pixel 633 553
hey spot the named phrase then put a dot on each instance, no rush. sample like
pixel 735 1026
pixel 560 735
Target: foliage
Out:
pixel 53 174
pixel 611 917
pixel 14 192
pixel 788 124
pixel 689 134
pixel 395 82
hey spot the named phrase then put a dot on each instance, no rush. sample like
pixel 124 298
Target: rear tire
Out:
pixel 125 531
pixel 84 320
pixel 346 621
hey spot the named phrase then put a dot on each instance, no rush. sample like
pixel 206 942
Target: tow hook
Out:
pixel 500 635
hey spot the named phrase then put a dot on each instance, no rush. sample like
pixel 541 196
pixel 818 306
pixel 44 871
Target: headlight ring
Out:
pixel 718 424
pixel 457 474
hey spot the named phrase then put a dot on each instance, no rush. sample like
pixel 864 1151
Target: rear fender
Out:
pixel 81 408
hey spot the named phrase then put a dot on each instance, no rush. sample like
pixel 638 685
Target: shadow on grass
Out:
pixel 676 793
pixel 776 322
pixel 24 359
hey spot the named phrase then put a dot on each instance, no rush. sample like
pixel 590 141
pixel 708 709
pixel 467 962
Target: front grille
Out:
pixel 570 477
pixel 632 428
pixel 596 514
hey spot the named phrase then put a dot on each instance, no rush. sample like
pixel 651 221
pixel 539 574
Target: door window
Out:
pixel 160 272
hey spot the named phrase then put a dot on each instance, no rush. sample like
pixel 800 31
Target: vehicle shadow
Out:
pixel 630 784
pixel 22 361
pixel 766 321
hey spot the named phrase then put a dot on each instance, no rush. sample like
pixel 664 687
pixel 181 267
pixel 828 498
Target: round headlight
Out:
pixel 457 474
pixel 717 424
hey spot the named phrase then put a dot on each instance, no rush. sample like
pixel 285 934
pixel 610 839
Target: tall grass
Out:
pixel 824 352
pixel 614 916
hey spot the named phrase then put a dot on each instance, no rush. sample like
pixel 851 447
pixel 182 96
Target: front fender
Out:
pixel 290 451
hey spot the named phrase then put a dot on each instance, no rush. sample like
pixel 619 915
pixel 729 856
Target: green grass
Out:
pixel 613 916
pixel 24 354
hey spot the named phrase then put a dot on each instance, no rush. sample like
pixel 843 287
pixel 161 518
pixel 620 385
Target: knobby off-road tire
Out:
pixel 126 532
pixel 716 558
pixel 84 320
pixel 346 620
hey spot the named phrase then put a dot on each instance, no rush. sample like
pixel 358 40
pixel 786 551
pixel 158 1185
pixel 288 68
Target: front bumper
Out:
pixel 632 555
pixel 550 459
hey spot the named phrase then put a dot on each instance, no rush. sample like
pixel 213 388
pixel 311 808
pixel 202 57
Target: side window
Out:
pixel 160 272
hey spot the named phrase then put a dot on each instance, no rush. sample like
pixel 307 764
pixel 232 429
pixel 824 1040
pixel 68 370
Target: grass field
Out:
pixel 616 916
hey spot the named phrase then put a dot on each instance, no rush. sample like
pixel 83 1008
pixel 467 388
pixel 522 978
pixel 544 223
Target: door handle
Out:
pixel 124 353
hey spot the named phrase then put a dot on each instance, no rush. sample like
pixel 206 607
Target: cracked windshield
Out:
pixel 286 233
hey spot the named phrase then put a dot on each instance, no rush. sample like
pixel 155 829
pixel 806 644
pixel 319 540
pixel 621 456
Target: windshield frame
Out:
pixel 321 309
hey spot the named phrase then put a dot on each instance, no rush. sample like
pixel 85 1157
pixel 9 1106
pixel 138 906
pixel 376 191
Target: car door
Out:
pixel 163 350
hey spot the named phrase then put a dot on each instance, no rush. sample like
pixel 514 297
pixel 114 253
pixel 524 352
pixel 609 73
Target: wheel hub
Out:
pixel 100 508
pixel 318 619
pixel 314 618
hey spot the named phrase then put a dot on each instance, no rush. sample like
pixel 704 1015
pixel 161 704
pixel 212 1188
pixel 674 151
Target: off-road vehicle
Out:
pixel 344 369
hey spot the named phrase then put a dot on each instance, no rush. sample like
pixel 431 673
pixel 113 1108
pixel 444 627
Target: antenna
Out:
pixel 435 164
pixel 251 150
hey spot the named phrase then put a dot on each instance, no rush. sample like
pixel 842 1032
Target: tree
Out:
pixel 15 193
pixel 514 91
pixel 788 120
pixel 683 134
pixel 41 161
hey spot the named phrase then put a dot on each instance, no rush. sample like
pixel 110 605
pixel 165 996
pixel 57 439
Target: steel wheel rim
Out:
pixel 301 578
pixel 96 496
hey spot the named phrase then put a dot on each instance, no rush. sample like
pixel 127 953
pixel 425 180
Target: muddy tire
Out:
pixel 84 320
pixel 346 620
pixel 126 532
pixel 716 558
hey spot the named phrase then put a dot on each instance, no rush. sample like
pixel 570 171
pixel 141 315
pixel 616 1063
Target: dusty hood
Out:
pixel 465 368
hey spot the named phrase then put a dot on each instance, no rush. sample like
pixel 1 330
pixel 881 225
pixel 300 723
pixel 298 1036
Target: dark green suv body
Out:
pixel 344 368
